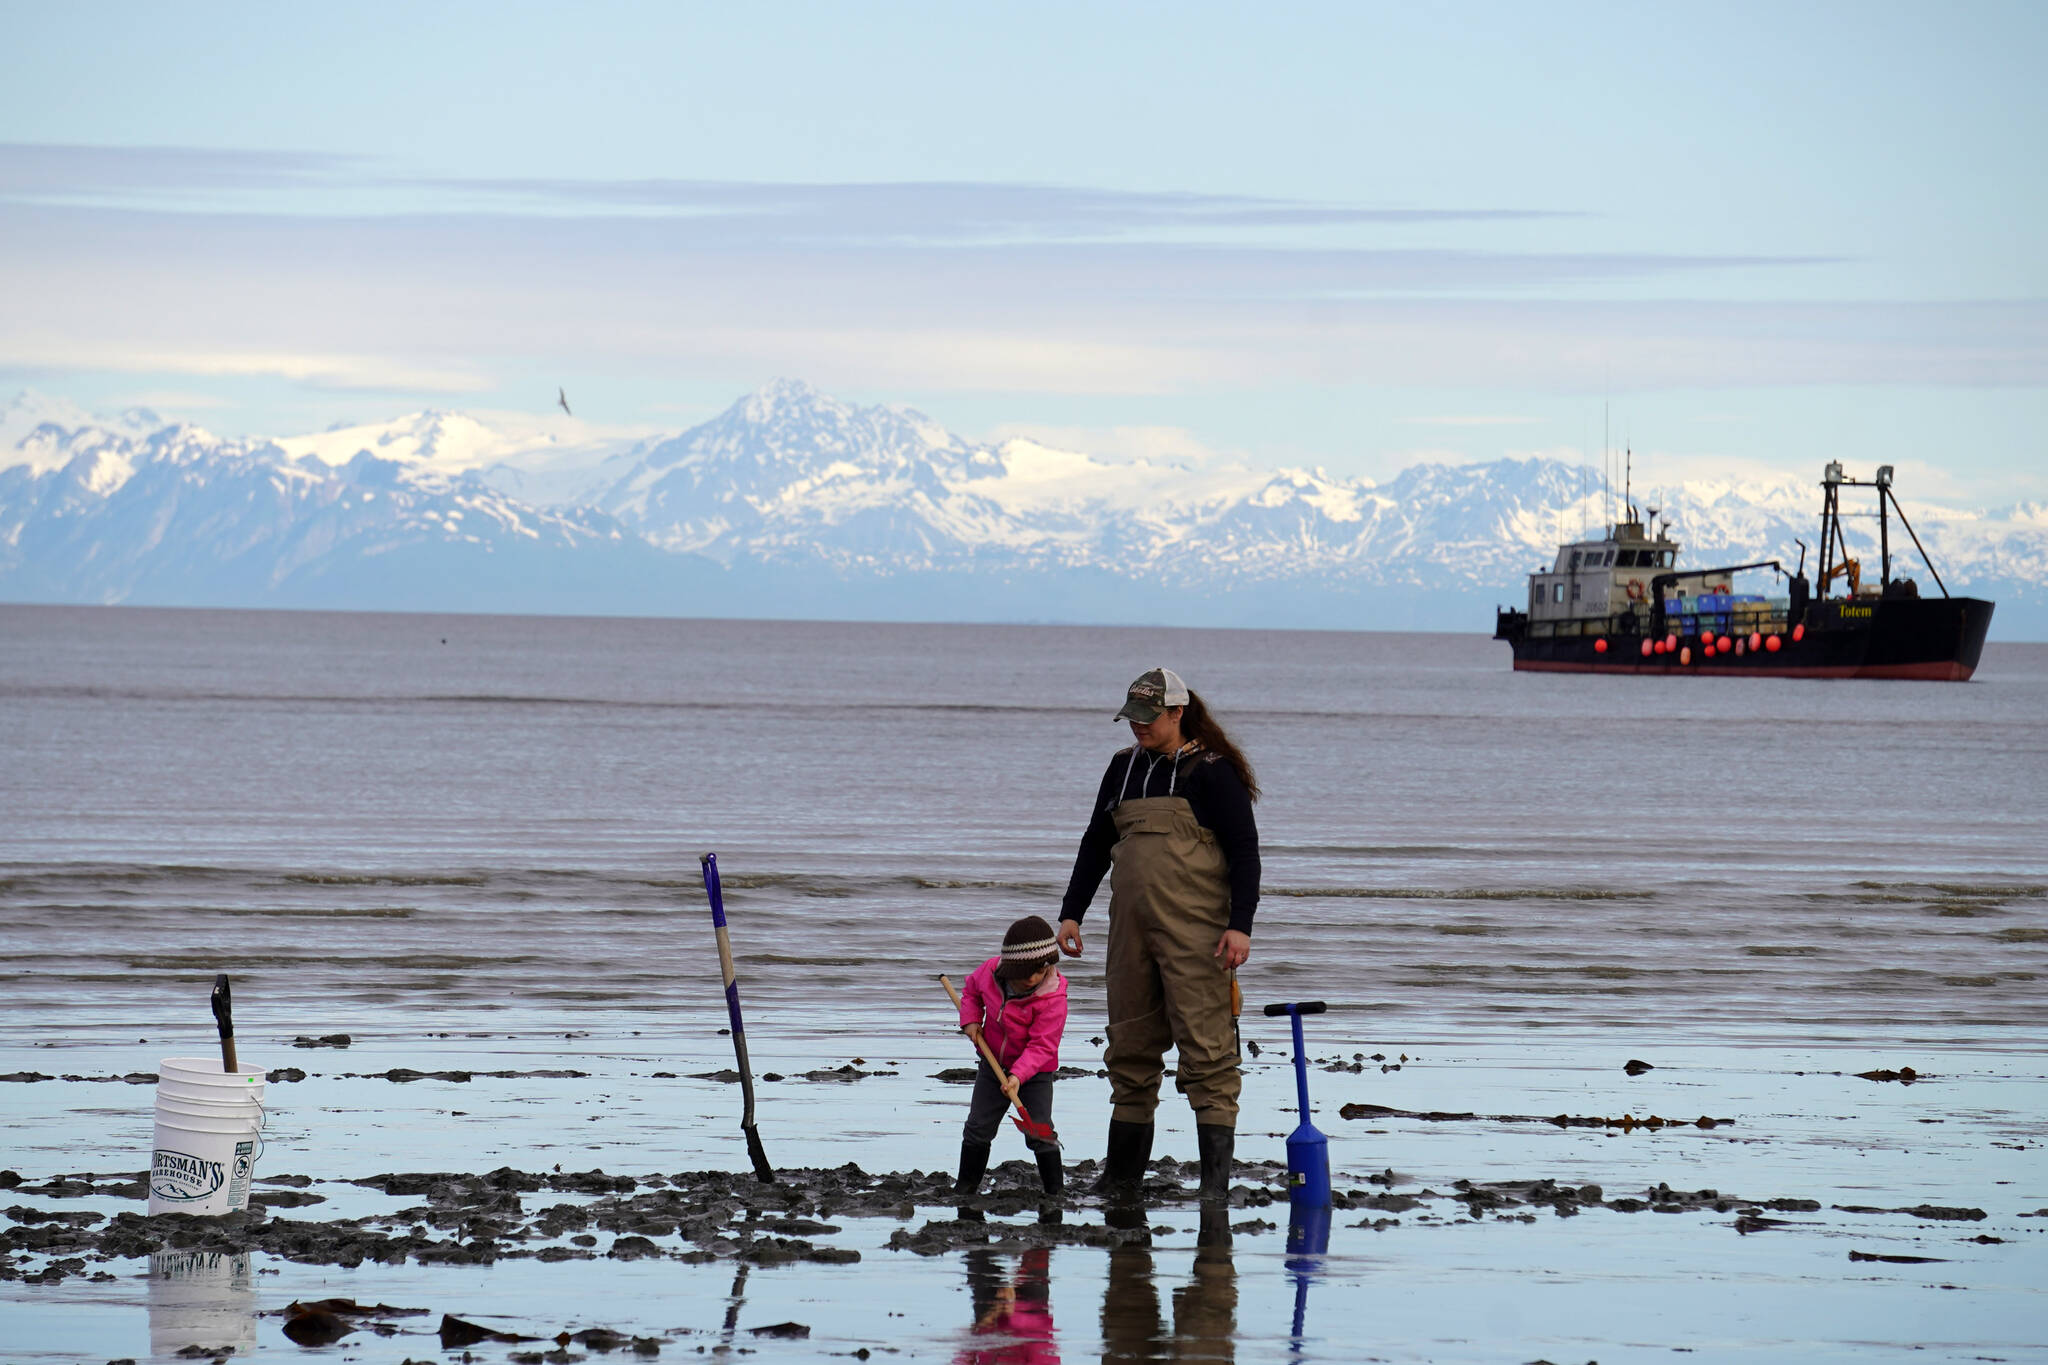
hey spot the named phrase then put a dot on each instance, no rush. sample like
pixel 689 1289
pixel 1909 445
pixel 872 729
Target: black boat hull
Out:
pixel 1933 639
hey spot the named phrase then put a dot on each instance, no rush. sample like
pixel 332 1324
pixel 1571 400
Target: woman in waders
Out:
pixel 1173 819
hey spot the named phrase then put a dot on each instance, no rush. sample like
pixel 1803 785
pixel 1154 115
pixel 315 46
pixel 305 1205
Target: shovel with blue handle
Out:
pixel 1308 1151
pixel 716 895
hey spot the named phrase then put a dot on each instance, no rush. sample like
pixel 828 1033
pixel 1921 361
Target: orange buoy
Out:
pixel 1600 646
pixel 1773 644
pixel 1685 655
pixel 1756 642
pixel 1670 643
pixel 1646 649
pixel 1798 632
pixel 1739 648
pixel 1706 637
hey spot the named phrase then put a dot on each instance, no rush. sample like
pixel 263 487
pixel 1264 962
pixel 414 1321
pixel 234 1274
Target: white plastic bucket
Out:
pixel 208 1115
pixel 208 1134
pixel 201 1078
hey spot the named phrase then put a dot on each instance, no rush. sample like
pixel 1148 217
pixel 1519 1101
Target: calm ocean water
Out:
pixel 357 812
pixel 472 843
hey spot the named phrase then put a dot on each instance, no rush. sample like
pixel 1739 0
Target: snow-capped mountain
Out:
pixel 547 460
pixel 176 515
pixel 794 503
pixel 789 475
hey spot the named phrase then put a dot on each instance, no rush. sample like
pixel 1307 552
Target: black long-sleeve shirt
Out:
pixel 1221 805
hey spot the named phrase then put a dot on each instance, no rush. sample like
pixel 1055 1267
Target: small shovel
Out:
pixel 224 1015
pixel 1028 1126
pixel 1308 1151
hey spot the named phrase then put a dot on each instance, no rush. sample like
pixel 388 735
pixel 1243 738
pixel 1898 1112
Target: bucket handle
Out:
pixel 262 1117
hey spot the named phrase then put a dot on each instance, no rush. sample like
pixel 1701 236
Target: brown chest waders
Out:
pixel 1169 903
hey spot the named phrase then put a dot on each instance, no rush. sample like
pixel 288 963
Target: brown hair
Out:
pixel 1198 725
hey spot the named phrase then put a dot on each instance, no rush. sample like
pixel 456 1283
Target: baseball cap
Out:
pixel 1151 694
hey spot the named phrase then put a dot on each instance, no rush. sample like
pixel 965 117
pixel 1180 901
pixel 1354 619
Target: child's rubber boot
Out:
pixel 1217 1143
pixel 1052 1180
pixel 973 1165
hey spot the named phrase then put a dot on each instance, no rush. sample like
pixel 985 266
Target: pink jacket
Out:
pixel 1023 1033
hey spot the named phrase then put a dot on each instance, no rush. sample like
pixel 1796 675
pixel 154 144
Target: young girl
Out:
pixel 1016 1002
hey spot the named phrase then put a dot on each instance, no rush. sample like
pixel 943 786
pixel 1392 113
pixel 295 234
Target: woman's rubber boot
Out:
pixel 1217 1143
pixel 1052 1181
pixel 973 1165
pixel 1123 1166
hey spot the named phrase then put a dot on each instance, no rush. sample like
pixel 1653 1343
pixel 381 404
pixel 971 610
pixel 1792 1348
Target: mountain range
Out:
pixel 794 504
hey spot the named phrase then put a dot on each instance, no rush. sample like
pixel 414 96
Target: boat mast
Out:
pixel 1831 490
pixel 1885 491
pixel 1884 528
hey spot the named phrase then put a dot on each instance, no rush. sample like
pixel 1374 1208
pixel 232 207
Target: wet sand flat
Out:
pixel 1832 1218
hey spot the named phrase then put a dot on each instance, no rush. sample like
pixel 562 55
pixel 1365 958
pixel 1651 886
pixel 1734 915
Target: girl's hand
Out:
pixel 1010 1088
pixel 972 1031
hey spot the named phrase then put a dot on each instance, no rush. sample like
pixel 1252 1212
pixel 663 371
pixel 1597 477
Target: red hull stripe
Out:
pixel 1945 670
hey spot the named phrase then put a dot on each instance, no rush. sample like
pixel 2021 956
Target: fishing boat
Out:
pixel 1622 604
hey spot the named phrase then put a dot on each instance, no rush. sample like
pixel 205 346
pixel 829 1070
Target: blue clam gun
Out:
pixel 1308 1151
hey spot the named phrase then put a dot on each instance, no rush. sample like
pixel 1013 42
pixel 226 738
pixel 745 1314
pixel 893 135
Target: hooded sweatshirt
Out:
pixel 1023 1031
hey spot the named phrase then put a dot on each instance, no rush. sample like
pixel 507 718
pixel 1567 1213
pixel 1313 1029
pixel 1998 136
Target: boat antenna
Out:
pixel 1606 422
pixel 1602 477
pixel 1606 490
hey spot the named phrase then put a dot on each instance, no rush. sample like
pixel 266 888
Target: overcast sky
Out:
pixel 1348 235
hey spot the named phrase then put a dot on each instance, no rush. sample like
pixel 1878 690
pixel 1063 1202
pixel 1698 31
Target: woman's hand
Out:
pixel 1233 948
pixel 1070 937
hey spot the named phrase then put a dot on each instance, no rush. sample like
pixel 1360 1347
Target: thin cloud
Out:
pixel 365 372
pixel 1472 421
pixel 943 212
pixel 921 212
pixel 174 400
pixel 1153 444
pixel 29 170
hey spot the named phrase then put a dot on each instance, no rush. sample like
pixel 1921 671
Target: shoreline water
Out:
pixel 479 857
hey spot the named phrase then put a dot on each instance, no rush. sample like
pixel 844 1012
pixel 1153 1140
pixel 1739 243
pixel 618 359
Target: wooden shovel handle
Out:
pixel 1030 1125
pixel 989 1056
pixel 224 1019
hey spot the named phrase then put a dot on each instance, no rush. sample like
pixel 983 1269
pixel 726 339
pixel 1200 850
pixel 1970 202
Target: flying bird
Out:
pixel 562 399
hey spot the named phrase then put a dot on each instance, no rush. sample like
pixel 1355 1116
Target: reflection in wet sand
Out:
pixel 203 1299
pixel 1204 1308
pixel 733 1303
pixel 1308 1240
pixel 1016 1314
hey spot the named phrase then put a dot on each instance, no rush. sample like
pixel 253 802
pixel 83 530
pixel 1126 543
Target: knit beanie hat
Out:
pixel 1028 946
